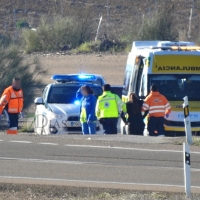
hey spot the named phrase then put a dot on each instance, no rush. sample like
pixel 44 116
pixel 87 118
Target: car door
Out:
pixel 41 112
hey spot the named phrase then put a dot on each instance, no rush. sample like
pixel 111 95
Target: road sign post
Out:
pixel 186 147
pixel 187 172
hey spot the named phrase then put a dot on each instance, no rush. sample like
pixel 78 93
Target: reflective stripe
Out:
pixel 145 105
pixel 167 105
pixel 120 104
pixel 106 99
pixel 156 111
pixel 168 108
pixel 12 110
pixel 3 100
pixel 155 107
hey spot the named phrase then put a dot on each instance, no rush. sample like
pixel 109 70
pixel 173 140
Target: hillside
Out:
pixel 117 16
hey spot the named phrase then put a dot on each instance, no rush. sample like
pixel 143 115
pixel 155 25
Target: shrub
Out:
pixel 22 24
pixel 85 48
pixel 160 27
pixel 14 64
pixel 31 41
pixel 5 40
pixel 54 35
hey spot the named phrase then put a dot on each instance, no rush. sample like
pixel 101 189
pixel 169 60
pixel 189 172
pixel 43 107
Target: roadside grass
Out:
pixel 196 141
pixel 85 48
pixel 26 129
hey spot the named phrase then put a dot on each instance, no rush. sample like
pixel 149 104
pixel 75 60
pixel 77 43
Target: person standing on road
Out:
pixel 135 119
pixel 87 117
pixel 158 107
pixel 12 103
pixel 108 108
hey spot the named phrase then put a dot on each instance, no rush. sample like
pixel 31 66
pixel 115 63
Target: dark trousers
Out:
pixel 13 117
pixel 109 125
pixel 133 131
pixel 156 126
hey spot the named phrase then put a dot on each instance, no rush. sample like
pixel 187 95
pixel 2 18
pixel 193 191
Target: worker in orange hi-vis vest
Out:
pixel 12 103
pixel 158 107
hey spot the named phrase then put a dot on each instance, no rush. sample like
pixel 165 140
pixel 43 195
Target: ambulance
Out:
pixel 175 68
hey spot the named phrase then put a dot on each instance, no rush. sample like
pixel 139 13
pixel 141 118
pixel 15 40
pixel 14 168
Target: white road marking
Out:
pixel 96 182
pixel 50 161
pixel 1 140
pixel 124 148
pixel 16 141
pixel 46 143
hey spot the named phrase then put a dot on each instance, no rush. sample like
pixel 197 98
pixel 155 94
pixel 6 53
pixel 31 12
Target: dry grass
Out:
pixel 45 192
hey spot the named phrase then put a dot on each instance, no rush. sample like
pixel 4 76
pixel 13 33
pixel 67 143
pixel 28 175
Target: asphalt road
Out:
pixel 107 162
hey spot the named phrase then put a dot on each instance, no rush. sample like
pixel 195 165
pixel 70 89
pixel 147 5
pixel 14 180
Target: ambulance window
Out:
pixel 126 82
pixel 143 88
pixel 138 76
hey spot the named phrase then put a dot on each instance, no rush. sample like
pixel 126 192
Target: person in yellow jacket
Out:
pixel 12 102
pixel 108 108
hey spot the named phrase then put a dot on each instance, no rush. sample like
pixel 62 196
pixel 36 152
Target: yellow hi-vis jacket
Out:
pixel 109 105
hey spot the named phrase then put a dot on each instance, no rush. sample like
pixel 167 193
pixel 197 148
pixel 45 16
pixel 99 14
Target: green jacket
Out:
pixel 109 105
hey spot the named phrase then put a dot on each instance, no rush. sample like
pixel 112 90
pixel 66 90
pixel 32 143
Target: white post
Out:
pixel 97 34
pixel 187 121
pixel 186 147
pixel 190 24
pixel 187 172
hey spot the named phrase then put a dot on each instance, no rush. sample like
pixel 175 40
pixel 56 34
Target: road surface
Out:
pixel 107 162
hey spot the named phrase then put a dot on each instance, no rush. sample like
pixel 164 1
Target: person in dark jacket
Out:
pixel 135 118
pixel 88 103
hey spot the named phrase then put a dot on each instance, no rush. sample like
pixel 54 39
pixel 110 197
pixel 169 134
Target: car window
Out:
pixel 44 93
pixel 98 82
pixel 67 94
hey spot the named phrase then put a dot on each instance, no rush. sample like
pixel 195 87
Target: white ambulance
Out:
pixel 175 68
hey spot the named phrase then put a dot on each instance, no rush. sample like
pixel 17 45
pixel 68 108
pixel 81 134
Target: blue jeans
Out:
pixel 88 128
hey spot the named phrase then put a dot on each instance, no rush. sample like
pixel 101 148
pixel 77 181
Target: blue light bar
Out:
pixel 77 102
pixel 86 76
pixel 57 77
pixel 73 77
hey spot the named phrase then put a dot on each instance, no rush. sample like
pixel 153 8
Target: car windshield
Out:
pixel 67 94
pixel 176 87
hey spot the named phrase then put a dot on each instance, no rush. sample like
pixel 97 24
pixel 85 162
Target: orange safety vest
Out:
pixel 13 98
pixel 157 105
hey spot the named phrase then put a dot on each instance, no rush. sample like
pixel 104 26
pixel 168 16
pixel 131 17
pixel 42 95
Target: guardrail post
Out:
pixel 186 148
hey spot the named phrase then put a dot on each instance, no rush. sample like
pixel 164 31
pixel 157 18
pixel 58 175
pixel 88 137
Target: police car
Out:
pixel 58 110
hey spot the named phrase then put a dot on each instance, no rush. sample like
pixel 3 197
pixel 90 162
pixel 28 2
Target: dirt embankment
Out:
pixel 111 67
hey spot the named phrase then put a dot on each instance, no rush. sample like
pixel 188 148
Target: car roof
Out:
pixel 97 75
pixel 75 84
